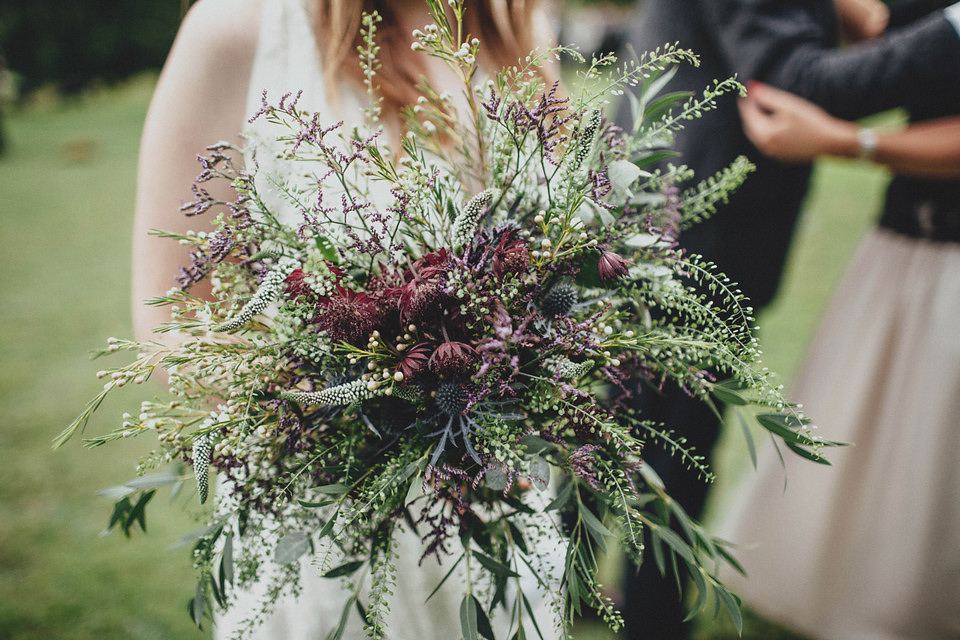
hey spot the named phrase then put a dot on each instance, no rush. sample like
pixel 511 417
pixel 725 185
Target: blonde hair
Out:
pixel 504 27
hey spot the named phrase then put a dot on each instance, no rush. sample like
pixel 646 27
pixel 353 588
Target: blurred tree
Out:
pixel 71 43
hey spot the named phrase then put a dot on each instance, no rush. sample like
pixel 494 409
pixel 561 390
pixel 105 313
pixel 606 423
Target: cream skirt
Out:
pixel 868 548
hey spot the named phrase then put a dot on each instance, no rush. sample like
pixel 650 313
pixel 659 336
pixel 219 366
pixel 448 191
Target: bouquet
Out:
pixel 450 338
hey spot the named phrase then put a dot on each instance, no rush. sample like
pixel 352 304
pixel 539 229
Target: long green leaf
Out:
pixel 748 437
pixel 344 570
pixel 732 606
pixel 468 618
pixel 337 633
pixel 447 575
pixel 495 567
pixel 332 489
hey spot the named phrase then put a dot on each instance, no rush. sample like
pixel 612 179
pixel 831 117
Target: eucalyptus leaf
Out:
pixel 468 618
pixel 196 534
pixel 676 543
pixel 622 174
pixel 533 618
pixel 495 479
pixel 447 575
pixel 151 480
pixel 536 444
pixel 332 489
pixel 563 496
pixel 337 633
pixel 595 528
pixel 138 515
pixel 642 240
pixel 198 604
pixel 651 476
pixel 119 491
pixel 701 601
pixel 657 85
pixel 539 470
pixel 226 560
pixel 483 622
pixel 290 547
pixel 415 490
pixel 748 437
pixel 148 481
pixel 729 394
pixel 647 198
pixel 315 505
pixel 732 605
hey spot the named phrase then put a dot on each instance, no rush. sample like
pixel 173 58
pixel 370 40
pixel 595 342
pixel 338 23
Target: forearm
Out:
pixel 928 149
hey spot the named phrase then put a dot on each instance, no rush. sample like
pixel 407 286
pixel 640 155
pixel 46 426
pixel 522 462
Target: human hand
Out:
pixel 789 128
pixel 859 20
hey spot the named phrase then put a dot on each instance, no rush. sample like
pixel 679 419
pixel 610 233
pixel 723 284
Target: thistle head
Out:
pixel 451 398
pixel 559 300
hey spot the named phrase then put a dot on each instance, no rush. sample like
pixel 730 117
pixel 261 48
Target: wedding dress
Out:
pixel 869 548
pixel 287 62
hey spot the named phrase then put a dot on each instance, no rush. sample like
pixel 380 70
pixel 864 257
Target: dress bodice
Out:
pixel 287 62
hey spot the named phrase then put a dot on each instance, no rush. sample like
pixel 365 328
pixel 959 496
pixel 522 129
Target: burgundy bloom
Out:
pixel 611 266
pixel 452 358
pixel 423 287
pixel 295 285
pixel 511 255
pixel 414 360
pixel 347 316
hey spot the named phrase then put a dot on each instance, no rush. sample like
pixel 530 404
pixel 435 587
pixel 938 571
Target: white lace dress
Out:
pixel 286 62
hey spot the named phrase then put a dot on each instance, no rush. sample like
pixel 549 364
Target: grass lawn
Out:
pixel 67 185
pixel 66 197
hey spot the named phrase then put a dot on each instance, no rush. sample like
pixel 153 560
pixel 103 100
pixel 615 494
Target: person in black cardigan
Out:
pixel 791 44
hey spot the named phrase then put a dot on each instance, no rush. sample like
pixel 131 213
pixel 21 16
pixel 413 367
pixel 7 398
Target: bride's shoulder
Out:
pixel 221 28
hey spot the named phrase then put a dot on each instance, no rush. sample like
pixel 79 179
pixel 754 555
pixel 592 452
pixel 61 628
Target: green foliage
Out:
pixel 72 43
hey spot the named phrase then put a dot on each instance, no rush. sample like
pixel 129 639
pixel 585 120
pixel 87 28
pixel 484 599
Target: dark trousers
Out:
pixel 653 607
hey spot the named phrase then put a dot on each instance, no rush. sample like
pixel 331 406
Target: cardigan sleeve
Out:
pixel 791 44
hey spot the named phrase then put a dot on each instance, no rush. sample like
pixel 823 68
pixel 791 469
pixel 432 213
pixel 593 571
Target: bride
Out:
pixel 226 55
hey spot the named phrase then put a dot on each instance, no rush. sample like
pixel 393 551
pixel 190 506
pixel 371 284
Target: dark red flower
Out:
pixel 347 316
pixel 511 255
pixel 453 358
pixel 423 290
pixel 295 285
pixel 413 361
pixel 611 266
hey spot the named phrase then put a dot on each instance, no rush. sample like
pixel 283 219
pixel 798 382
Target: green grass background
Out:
pixel 66 197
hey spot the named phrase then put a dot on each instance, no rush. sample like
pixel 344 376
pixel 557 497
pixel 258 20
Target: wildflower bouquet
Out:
pixel 449 339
